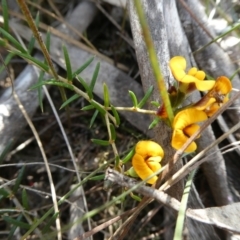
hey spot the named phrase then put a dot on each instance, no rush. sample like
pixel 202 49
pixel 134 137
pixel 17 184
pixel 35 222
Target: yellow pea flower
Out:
pixel 213 100
pixel 178 67
pixel 146 160
pixel 184 126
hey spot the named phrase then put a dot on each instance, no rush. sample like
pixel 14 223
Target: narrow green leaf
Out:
pixel 98 107
pixel 71 99
pixel 18 180
pixel 12 40
pixel 5 15
pixel 100 142
pixel 156 104
pixel 113 132
pixel 84 66
pixel 32 40
pixel 93 118
pixel 33 60
pixel 146 97
pixel 48 40
pixel 183 207
pixel 16 222
pixel 52 82
pixel 6 150
pixel 115 114
pixel 88 107
pixel 128 156
pixel 134 98
pixel 68 64
pixel 25 199
pixel 94 77
pixel 154 123
pixel 14 227
pixel 3 193
pixel 50 223
pixel 135 197
pixel 98 177
pixel 40 94
pixel 6 61
pixel 86 87
pixel 106 95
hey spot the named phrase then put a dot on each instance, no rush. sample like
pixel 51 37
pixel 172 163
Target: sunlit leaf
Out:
pixel 134 98
pixel 106 95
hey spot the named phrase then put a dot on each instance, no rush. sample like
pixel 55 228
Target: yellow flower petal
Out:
pixel 142 169
pixel 179 139
pixel 205 85
pixel 149 149
pixel 178 66
pixel 187 117
pixel 200 75
pixel 146 160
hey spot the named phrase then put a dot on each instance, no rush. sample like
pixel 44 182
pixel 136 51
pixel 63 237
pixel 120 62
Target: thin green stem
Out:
pixel 154 60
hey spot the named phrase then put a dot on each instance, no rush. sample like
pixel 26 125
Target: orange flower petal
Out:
pixel 191 129
pixel 223 85
pixel 187 117
pixel 179 139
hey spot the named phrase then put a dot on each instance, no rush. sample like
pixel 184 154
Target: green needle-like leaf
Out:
pixel 68 64
pixel 40 94
pixel 84 66
pixel 5 15
pixel 88 107
pixel 50 223
pixel 25 199
pixel 16 222
pixel 134 98
pixel 71 99
pixel 33 39
pixel 100 142
pixel 12 40
pixel 18 180
pixel 183 207
pixel 52 82
pixel 154 123
pixel 145 98
pixel 93 118
pixel 98 177
pixel 115 114
pixel 33 60
pixel 87 88
pixel 94 77
pixel 113 132
pixel 106 95
pixel 14 227
pixel 98 107
pixel 128 156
